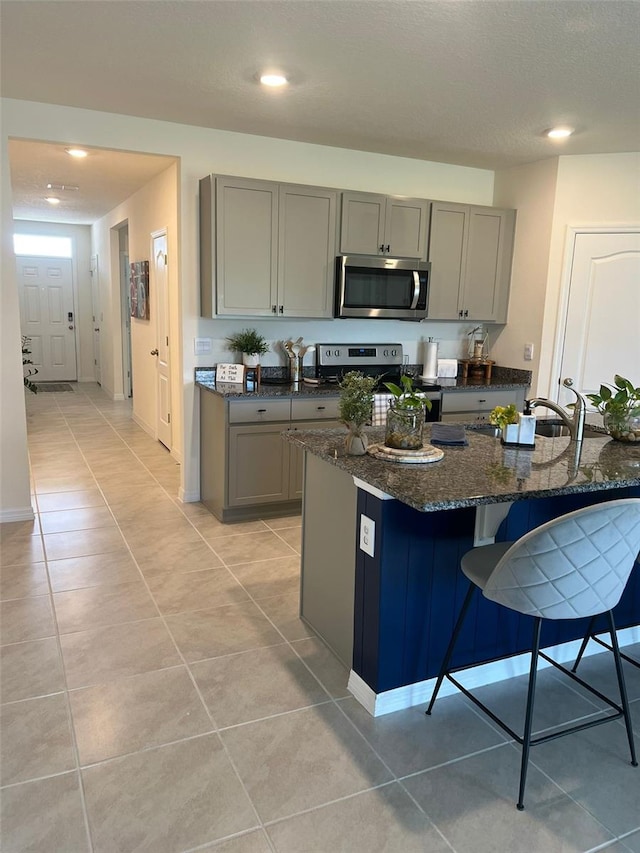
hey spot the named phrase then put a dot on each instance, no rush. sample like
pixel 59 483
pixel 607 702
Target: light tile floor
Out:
pixel 159 692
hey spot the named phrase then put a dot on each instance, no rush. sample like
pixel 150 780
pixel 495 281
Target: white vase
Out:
pixel 510 434
pixel 250 359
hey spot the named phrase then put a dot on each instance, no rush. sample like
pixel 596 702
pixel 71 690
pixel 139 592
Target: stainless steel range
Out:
pixel 382 360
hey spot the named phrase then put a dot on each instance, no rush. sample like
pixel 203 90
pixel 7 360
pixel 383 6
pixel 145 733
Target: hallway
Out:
pixel 160 694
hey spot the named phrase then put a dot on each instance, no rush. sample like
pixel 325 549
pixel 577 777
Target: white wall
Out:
pixel 202 151
pixel 81 241
pixel 152 208
pixel 531 190
pixel 15 498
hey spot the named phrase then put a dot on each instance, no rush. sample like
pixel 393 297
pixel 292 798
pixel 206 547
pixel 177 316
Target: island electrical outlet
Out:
pixel 367 535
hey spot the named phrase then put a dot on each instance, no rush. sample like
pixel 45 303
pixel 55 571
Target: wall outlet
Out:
pixel 367 535
pixel 528 352
pixel 201 346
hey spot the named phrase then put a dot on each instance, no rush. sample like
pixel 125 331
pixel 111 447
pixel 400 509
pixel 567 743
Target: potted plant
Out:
pixel 405 417
pixel 251 344
pixel 619 406
pixel 506 419
pixel 31 371
pixel 354 408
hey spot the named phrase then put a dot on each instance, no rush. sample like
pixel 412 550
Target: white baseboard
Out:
pixel 188 497
pixel 378 704
pixel 118 397
pixel 177 455
pixel 144 425
pixel 17 514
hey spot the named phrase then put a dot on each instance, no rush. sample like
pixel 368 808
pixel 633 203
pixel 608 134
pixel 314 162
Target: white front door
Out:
pixel 602 330
pixel 97 317
pixel 160 262
pixel 47 316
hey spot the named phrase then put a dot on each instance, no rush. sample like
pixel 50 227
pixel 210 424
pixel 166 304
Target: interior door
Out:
pixel 602 331
pixel 47 316
pixel 97 317
pixel 160 261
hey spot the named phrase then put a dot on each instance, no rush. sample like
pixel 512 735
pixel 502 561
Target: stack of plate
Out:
pixel 427 453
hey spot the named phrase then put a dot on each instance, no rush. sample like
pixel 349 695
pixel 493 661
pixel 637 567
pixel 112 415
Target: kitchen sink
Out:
pixel 552 427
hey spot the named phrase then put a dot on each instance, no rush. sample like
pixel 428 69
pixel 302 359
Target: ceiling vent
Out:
pixel 62 187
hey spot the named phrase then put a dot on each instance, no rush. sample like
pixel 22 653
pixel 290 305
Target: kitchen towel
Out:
pixel 447 367
pixel 430 359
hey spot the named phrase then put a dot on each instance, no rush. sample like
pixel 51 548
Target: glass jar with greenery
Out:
pixel 619 406
pixel 355 407
pixel 405 416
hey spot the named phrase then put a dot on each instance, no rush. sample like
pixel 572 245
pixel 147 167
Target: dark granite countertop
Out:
pixel 205 377
pixel 484 472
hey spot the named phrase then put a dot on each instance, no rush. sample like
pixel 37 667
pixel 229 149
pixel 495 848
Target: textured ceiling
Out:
pixel 469 82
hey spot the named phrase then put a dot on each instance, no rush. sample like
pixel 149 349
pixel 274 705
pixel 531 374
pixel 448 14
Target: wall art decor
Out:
pixel 139 290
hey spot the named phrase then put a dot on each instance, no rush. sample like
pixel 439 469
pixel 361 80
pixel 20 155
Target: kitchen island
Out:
pixel 382 544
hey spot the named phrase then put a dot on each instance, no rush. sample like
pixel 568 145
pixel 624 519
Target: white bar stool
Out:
pixel 569 568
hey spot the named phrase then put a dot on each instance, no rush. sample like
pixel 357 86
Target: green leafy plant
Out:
pixel 31 371
pixel 502 416
pixel 356 398
pixel 619 400
pixel 248 341
pixel 406 396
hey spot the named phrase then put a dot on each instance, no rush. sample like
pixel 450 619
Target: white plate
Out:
pixel 428 454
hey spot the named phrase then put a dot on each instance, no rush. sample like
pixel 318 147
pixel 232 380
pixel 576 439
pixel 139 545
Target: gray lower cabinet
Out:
pixel 266 249
pixel 470 249
pixel 246 469
pixel 475 405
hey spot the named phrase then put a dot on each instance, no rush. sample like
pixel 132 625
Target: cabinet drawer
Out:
pixel 259 411
pixel 476 401
pixel 315 409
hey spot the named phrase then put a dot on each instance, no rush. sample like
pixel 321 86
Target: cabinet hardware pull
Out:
pixel 261 410
pixel 381 247
pixel 466 313
pixel 321 408
pixel 387 248
pixel 282 309
pixel 274 309
pixel 460 313
pixel 482 401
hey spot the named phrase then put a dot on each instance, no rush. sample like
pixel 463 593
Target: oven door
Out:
pixel 381 288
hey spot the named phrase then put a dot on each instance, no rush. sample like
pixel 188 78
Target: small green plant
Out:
pixel 356 398
pixel 502 416
pixel 407 397
pixel 248 341
pixel 31 371
pixel 619 401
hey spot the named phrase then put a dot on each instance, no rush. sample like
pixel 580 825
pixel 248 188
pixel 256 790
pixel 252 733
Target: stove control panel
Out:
pixel 358 355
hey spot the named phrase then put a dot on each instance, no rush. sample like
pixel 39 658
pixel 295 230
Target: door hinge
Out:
pixel 165 259
pixel 168 417
pixel 167 339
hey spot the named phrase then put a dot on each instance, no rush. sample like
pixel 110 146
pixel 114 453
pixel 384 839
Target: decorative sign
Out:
pixel 230 373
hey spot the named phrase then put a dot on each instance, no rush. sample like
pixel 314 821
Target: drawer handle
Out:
pixel 482 401
pixel 321 408
pixel 261 410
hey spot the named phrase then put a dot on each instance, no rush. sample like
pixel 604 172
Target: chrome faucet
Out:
pixel 575 425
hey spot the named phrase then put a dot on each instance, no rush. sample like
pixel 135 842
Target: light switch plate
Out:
pixel 201 346
pixel 528 352
pixel 367 535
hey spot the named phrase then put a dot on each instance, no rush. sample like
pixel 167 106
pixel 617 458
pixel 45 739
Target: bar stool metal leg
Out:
pixel 624 700
pixel 447 658
pixel 528 719
pixel 587 637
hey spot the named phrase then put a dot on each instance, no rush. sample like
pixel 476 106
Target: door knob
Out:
pixel 154 352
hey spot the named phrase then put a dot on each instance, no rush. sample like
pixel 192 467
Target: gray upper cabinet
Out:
pixel 266 249
pixel 384 225
pixel 470 250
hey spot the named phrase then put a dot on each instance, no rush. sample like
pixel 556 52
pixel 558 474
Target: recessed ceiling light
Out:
pixel 273 80
pixel 77 152
pixel 559 132
pixel 52 199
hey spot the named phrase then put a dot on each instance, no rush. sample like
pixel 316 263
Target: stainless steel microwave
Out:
pixel 381 288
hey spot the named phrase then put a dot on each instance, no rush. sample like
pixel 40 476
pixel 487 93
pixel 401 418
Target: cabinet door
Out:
pixel 297 455
pixel 306 251
pixel 488 264
pixel 447 251
pixel 406 227
pixel 258 464
pixel 246 246
pixel 363 223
